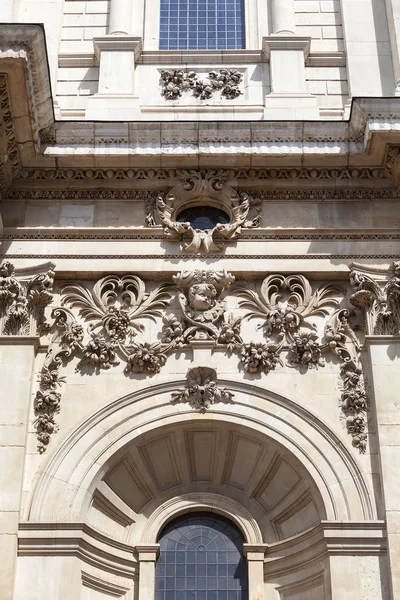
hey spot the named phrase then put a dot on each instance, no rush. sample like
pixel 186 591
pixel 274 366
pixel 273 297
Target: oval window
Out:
pixel 203 217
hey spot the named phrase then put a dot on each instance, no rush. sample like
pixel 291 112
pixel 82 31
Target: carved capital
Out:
pixel 377 293
pixel 24 295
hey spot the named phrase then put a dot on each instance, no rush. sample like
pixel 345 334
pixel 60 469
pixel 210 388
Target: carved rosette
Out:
pixel 203 190
pixel 23 299
pixel 202 390
pixel 379 298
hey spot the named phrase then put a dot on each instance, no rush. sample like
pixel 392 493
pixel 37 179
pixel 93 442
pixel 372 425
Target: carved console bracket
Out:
pixel 201 189
pixel 202 390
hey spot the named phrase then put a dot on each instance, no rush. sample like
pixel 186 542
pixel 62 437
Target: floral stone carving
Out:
pixel 202 390
pixel 174 82
pixel 343 342
pixel 284 305
pixel 203 190
pixel 23 299
pixel 379 299
pixel 113 308
pixel 259 357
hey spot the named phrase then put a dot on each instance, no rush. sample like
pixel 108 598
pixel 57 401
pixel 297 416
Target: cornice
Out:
pixel 153 233
pixel 183 257
pixel 276 174
pixel 81 187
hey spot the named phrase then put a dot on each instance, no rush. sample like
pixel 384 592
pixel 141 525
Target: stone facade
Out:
pixel 151 368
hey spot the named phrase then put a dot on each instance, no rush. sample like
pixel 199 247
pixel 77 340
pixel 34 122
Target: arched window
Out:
pixel 201 558
pixel 202 25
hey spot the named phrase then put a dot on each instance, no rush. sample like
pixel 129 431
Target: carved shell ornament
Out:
pixel 203 190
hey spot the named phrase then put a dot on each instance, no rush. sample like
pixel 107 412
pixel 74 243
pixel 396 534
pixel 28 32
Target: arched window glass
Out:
pixel 202 25
pixel 201 558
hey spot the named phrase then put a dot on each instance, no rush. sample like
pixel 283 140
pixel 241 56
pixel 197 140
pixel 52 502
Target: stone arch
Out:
pixel 65 487
pixel 178 506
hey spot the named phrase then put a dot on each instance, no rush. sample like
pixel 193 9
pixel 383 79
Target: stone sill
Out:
pixel 196 57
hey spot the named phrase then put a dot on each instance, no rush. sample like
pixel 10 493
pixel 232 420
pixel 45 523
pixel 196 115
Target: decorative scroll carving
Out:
pixel 202 390
pixel 174 82
pixel 111 314
pixel 202 308
pixel 380 300
pixel 284 304
pixel 23 298
pixel 114 308
pixel 343 342
pixel 203 189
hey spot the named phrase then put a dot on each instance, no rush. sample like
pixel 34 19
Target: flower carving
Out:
pixel 259 357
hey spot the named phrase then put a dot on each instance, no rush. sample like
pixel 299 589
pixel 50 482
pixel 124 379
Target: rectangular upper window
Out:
pixel 202 25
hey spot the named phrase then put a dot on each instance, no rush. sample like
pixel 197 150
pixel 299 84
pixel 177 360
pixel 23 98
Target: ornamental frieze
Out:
pixel 103 326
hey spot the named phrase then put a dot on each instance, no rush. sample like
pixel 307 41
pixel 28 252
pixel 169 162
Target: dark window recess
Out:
pixel 203 217
pixel 201 558
pixel 202 25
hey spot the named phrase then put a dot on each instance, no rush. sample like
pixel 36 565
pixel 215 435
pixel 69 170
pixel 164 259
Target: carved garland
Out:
pixel 284 307
pixel 174 82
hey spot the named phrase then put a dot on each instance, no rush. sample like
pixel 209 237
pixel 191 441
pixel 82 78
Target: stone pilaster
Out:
pixel 255 563
pixel 147 556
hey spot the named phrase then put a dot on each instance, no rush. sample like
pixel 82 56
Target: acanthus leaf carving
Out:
pixel 284 304
pixel 23 299
pixel 202 390
pixel 113 308
pixel 379 299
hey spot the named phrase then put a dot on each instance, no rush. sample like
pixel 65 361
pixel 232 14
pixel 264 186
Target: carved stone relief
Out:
pixel 202 308
pixel 175 82
pixel 23 298
pixel 379 298
pixel 105 330
pixel 203 190
pixel 202 390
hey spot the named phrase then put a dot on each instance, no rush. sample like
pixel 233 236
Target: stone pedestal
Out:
pixel 16 368
pixel 115 99
pixel 288 98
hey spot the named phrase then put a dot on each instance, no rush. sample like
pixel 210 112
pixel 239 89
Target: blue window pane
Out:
pixel 202 12
pixel 196 570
